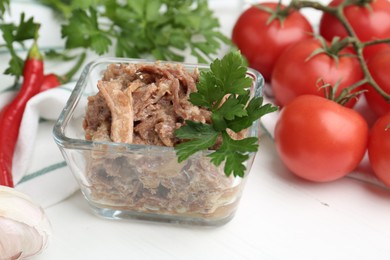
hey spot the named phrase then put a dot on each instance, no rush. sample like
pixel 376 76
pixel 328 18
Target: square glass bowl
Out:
pixel 127 181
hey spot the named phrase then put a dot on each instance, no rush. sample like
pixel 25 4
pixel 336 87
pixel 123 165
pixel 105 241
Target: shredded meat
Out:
pixel 145 104
pixel 119 103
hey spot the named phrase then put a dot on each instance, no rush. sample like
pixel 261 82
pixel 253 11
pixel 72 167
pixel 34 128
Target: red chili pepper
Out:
pixel 11 115
pixel 50 81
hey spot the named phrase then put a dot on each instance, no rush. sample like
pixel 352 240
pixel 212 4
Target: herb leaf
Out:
pixel 17 34
pixel 208 91
pixel 234 153
pixel 66 7
pixel 225 77
pixel 162 28
pixel 4 6
pixel 255 110
pixel 229 110
pixel 83 31
pixel 224 90
pixel 202 137
pixel 231 74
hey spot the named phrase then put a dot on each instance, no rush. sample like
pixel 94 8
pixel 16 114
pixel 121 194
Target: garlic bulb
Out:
pixel 24 227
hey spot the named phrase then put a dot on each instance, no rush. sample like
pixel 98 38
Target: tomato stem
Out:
pixel 333 49
pixel 338 12
pixel 378 41
pixel 279 13
pixel 346 94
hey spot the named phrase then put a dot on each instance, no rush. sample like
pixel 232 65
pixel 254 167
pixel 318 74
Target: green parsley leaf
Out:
pixel 100 43
pixel 208 91
pixel 58 5
pixel 230 73
pixel 229 110
pixel 66 7
pixel 224 89
pixel 17 34
pixel 26 30
pixel 162 28
pixel 234 153
pixel 226 76
pixel 15 66
pixel 202 137
pixel 83 31
pixel 4 6
pixel 255 109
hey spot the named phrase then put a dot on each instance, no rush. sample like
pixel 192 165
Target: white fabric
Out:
pixel 39 169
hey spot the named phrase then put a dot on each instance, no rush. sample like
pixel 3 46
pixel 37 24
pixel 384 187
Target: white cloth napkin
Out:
pixel 39 170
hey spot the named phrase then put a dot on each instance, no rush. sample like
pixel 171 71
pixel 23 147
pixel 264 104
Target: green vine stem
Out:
pixel 69 75
pixel 378 41
pixel 338 12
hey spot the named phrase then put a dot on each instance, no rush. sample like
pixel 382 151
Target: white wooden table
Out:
pixel 280 217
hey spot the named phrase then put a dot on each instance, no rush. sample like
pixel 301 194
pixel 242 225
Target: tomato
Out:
pixel 262 43
pixel 370 21
pixel 379 148
pixel 379 65
pixel 296 74
pixel 320 140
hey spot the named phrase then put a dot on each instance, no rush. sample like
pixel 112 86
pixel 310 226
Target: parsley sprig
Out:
pixel 163 28
pixel 225 78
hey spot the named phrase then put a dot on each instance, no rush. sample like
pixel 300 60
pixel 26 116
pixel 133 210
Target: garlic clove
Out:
pixel 24 227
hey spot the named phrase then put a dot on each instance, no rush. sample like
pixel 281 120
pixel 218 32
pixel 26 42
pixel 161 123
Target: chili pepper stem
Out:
pixel 34 52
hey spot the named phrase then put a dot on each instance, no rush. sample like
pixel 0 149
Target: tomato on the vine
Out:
pixel 369 19
pixel 379 148
pixel 379 65
pixel 261 40
pixel 298 72
pixel 320 140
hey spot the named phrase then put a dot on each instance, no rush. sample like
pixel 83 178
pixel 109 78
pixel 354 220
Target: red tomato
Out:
pixel 379 65
pixel 320 140
pixel 295 74
pixel 261 43
pixel 379 148
pixel 369 21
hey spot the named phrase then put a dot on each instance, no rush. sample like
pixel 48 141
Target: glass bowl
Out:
pixel 128 181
